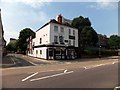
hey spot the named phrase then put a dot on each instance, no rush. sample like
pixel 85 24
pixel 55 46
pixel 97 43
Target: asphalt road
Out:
pixel 94 76
pixel 13 61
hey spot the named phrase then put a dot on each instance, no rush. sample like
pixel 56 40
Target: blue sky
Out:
pixel 33 14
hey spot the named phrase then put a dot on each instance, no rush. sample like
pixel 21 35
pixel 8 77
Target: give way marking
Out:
pixel 55 75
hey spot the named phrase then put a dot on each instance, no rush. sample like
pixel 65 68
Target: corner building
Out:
pixel 54 40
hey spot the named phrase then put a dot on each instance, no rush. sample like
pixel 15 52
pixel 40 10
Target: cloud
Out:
pixel 32 3
pixel 19 15
pixel 104 4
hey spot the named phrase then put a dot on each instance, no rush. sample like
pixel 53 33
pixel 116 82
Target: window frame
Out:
pixel 40 40
pixel 55 30
pixel 69 31
pixel 56 38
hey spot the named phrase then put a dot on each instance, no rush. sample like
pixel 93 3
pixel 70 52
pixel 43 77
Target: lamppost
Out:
pixel 99 47
pixel 99 51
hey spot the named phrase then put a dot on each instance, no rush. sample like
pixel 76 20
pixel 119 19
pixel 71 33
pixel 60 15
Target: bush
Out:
pixel 102 52
pixel 90 52
pixel 109 52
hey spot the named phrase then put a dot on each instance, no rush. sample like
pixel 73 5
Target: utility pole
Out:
pixel 99 47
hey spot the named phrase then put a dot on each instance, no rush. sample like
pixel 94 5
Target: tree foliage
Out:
pixel 23 36
pixel 87 36
pixel 11 47
pixel 114 42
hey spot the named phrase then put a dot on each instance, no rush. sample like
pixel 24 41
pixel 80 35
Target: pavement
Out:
pixel 11 60
pixel 7 62
pixel 38 61
pixel 19 60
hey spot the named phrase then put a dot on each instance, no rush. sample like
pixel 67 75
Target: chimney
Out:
pixel 59 18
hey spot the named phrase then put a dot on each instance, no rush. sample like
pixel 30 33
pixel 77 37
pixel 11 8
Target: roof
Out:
pixel 56 22
pixel 12 39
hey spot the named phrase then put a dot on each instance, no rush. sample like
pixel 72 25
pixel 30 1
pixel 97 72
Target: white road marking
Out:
pixel 116 88
pixel 114 62
pixel 100 65
pixel 13 60
pixel 65 71
pixel 89 67
pixel 85 67
pixel 55 75
pixel 29 76
pixel 68 62
pixel 32 63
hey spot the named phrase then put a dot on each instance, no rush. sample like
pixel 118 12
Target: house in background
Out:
pixel 102 40
pixel 57 39
pixel 2 40
pixel 13 40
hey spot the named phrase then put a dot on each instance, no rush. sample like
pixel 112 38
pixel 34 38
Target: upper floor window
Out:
pixel 61 39
pixel 73 32
pixel 69 42
pixel 56 28
pixel 56 39
pixel 73 42
pixel 33 43
pixel 69 31
pixel 62 29
pixel 40 40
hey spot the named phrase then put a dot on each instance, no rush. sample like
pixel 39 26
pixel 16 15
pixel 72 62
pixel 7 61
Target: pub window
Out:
pixel 40 51
pixel 73 32
pixel 57 52
pixel 73 42
pixel 69 42
pixel 61 39
pixel 36 51
pixel 56 28
pixel 40 40
pixel 55 38
pixel 69 31
pixel 62 29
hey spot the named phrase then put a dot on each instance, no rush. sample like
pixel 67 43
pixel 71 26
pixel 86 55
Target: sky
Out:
pixel 20 14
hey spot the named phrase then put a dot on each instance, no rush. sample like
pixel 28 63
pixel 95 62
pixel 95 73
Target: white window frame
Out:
pixel 56 38
pixel 62 29
pixel 55 30
pixel 69 31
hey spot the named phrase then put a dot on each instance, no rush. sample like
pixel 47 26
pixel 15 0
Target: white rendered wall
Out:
pixel 65 34
pixel 43 55
pixel 44 34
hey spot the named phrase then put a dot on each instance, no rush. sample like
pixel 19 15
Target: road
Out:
pixel 74 75
pixel 12 61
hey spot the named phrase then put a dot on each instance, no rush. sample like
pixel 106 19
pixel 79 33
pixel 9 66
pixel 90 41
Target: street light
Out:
pixel 99 47
pixel 99 51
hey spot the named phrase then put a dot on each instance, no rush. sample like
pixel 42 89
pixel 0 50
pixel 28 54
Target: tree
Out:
pixel 87 36
pixel 11 47
pixel 114 42
pixel 23 36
